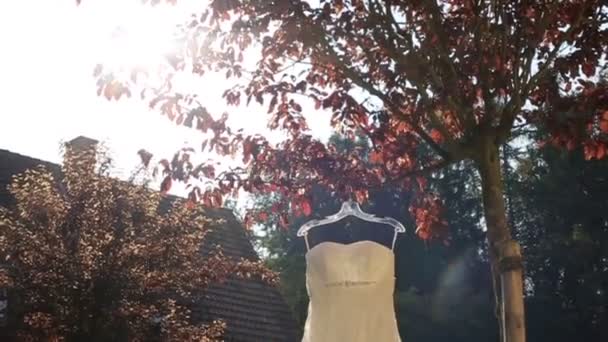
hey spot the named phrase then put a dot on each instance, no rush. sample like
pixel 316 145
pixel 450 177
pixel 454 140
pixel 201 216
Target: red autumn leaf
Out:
pixel 209 171
pixel 263 216
pixel 207 200
pixel 601 151
pixel 166 166
pixel 604 126
pixel 338 5
pixel 317 104
pixel 423 234
pixel 436 136
pixel 604 123
pixel 275 208
pixel 247 150
pixel 375 157
pixel 589 151
pixel 273 103
pixel 283 221
pixel 530 12
pixel 361 196
pixel 248 221
pixel 421 182
pixel 498 62
pixel 190 204
pixel 306 208
pixel 165 185
pixel 217 198
pixel 588 69
pixel 192 196
pixel 301 86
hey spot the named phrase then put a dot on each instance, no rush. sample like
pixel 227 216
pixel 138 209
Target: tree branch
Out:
pixel 388 20
pixel 425 170
pixel 358 80
pixel 437 27
pixel 506 121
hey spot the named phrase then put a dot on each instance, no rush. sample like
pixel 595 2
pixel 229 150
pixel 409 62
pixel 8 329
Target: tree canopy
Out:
pixel 440 74
pixel 88 257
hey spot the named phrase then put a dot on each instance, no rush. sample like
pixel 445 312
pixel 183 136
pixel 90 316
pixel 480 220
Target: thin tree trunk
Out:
pixel 505 253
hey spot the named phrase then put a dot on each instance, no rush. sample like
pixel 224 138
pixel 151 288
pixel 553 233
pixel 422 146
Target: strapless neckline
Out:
pixel 349 246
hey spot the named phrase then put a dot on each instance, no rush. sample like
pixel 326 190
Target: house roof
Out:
pixel 252 310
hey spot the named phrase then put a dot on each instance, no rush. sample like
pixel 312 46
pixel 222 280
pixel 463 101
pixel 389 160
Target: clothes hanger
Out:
pixel 350 208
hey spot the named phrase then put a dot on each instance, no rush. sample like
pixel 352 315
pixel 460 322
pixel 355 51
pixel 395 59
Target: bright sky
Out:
pixel 48 94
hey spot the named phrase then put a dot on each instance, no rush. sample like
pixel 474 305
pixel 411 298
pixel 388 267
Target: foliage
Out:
pixel 88 257
pixel 444 74
pixel 458 78
pixel 565 238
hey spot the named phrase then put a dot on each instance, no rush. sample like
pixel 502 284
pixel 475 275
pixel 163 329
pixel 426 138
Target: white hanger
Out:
pixel 351 208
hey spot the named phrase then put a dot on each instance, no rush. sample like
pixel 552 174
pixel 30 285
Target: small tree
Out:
pixel 92 258
pixel 455 78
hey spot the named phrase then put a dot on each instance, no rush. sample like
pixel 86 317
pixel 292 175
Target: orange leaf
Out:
pixel 436 136
pixel 604 125
pixel 361 196
pixel 375 157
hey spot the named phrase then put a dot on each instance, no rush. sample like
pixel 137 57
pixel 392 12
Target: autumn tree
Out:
pixel 455 78
pixel 88 257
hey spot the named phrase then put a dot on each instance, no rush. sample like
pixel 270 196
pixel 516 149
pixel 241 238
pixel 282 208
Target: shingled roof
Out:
pixel 253 310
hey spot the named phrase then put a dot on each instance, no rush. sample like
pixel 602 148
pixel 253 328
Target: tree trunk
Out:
pixel 505 253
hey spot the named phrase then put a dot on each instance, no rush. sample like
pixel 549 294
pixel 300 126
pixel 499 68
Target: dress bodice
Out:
pixel 351 293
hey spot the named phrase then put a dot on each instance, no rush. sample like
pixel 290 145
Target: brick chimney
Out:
pixel 82 145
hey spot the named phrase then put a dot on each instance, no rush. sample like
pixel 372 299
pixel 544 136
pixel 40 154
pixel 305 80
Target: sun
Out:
pixel 140 36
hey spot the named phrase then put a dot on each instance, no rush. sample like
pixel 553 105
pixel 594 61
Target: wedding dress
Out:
pixel 351 293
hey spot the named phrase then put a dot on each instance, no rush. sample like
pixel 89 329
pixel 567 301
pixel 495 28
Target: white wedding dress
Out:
pixel 351 293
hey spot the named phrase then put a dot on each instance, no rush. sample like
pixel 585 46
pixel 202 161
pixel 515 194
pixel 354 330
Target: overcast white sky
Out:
pixel 47 93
